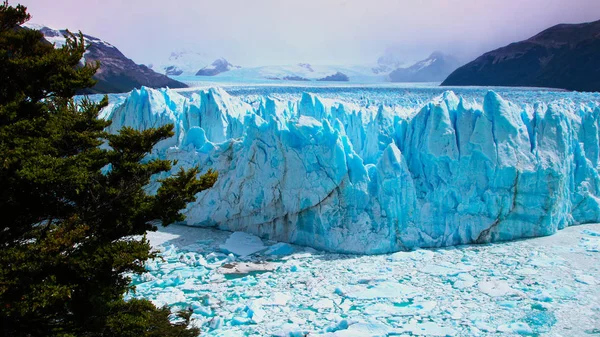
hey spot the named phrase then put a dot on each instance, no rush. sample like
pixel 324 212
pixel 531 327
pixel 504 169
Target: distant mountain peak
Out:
pixel 386 63
pixel 432 69
pixel 218 66
pixel 306 66
pixel 189 63
pixel 438 54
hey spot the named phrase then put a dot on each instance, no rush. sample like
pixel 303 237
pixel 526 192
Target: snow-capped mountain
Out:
pixel 191 63
pixel 117 73
pixel 304 72
pixel 387 63
pixel 217 67
pixel 432 69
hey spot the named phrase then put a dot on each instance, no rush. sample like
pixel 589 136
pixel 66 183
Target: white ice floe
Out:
pixel 496 288
pixel 243 244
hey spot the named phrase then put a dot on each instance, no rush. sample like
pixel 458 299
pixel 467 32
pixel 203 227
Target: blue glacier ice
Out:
pixel 345 176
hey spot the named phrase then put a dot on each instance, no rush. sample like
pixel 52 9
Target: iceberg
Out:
pixel 350 178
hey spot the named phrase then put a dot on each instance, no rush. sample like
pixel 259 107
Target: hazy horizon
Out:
pixel 342 32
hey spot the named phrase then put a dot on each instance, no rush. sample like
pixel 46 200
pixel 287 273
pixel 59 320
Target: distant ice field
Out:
pixel 407 95
pixel 415 94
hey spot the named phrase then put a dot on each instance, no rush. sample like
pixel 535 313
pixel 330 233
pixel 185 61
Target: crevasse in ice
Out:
pixel 347 178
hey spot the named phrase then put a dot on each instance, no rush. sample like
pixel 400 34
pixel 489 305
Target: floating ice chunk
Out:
pixel 420 308
pixel 240 321
pixel 465 280
pixel 526 271
pixel 342 324
pixel 566 293
pixel 147 277
pixel 517 327
pixel 277 299
pixel 290 330
pixel 484 326
pixel 324 303
pixel 255 313
pixel 242 244
pixel 280 248
pixel 591 245
pixel 447 269
pixel 590 232
pixel 169 296
pixel 415 255
pixel 586 279
pixel 542 260
pixel 216 322
pixel 388 289
pixel 427 329
pixel 243 268
pixel 456 314
pixel 200 309
pixel 541 295
pixel 361 329
pixel 496 288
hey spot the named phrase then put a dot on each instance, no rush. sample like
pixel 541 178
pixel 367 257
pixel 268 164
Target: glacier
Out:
pixel 377 177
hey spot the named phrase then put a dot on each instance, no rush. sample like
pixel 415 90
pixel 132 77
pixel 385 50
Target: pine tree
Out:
pixel 72 212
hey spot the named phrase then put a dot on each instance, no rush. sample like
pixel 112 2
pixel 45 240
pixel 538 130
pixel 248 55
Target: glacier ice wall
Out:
pixel 347 178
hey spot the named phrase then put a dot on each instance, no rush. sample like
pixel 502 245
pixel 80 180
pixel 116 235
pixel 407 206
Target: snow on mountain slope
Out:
pixel 388 62
pixel 183 62
pixel 218 66
pixel 57 37
pixel 190 63
pixel 434 68
pixel 303 72
pixel 348 178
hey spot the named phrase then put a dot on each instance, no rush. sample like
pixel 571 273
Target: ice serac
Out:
pixel 362 179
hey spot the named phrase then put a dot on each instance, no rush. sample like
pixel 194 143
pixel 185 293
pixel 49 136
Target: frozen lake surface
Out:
pixel 239 285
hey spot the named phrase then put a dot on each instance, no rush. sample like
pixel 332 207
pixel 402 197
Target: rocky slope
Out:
pixel 117 73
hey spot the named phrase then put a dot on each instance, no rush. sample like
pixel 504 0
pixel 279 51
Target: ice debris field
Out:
pixel 240 285
pixel 373 170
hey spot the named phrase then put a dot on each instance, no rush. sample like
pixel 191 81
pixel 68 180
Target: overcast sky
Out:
pixel 269 32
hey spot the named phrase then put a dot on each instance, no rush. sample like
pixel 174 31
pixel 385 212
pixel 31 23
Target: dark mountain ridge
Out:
pixel 565 56
pixel 117 73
